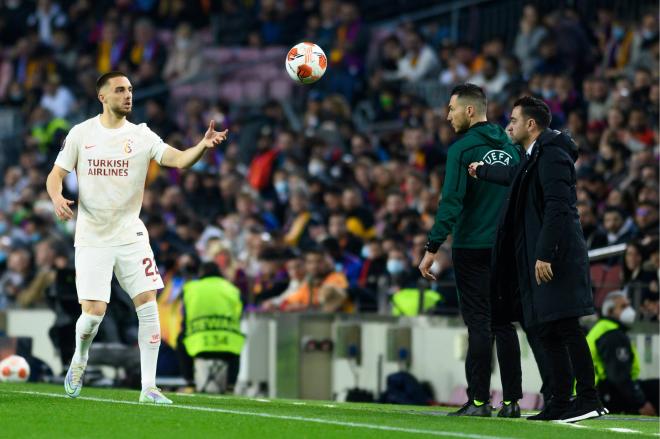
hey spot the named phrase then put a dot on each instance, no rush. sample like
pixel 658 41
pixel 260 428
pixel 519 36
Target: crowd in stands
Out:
pixel 328 216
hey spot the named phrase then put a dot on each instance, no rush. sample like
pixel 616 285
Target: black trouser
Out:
pixel 534 341
pixel 186 363
pixel 567 352
pixel 472 270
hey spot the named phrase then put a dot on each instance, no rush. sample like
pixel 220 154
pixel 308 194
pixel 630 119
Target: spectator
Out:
pixel 619 228
pixel 112 47
pixel 324 289
pixel 419 60
pixel 593 235
pixel 338 230
pixel 529 37
pixel 44 260
pixel 146 48
pixel 296 274
pixel 45 19
pixel 491 78
pixel 272 279
pixel 184 60
pixel 636 280
pixel 57 98
pixel 646 218
pixel 16 277
pixel 640 134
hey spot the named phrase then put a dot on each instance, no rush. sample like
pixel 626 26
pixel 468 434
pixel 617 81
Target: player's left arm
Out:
pixel 175 158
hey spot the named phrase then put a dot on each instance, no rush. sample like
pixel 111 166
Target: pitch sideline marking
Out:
pixel 273 416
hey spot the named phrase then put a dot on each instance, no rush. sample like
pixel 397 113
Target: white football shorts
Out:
pixel 133 264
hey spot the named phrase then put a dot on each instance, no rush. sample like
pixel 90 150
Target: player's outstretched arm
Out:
pixel 54 188
pixel 175 158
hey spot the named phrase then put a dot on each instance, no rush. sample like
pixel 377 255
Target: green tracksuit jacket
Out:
pixel 469 208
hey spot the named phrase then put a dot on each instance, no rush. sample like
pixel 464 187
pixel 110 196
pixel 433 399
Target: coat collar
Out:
pixel 546 136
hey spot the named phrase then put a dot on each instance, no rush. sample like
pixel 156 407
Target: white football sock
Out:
pixel 86 328
pixel 149 342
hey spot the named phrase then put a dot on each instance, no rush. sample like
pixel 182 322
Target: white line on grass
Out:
pixel 623 430
pixel 274 416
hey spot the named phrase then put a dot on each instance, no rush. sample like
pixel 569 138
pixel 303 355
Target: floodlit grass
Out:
pixel 41 410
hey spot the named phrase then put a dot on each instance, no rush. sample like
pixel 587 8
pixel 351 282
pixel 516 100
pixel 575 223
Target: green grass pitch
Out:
pixel 43 411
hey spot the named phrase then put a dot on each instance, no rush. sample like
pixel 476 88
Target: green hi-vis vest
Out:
pixel 45 134
pixel 405 302
pixel 601 328
pixel 213 314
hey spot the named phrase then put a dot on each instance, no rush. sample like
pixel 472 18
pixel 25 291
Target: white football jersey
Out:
pixel 111 166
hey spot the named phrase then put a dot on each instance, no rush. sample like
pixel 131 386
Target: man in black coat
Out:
pixel 540 231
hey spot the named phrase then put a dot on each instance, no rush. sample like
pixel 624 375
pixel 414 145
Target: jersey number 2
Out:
pixel 149 263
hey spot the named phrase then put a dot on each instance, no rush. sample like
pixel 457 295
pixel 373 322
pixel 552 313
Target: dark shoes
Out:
pixel 470 409
pixel 581 409
pixel 511 410
pixel 553 411
pixel 570 411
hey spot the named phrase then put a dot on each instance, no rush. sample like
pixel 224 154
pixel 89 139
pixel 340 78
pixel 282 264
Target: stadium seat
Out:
pixel 249 55
pixel 604 279
pixel 274 52
pixel 254 90
pixel 280 89
pixel 231 91
pixel 218 54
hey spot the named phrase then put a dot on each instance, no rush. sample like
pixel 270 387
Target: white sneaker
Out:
pixel 152 395
pixel 73 381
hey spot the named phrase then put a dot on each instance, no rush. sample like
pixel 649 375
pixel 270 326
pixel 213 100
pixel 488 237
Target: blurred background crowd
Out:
pixel 323 195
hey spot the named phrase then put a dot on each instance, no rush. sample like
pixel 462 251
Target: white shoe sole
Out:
pixel 592 414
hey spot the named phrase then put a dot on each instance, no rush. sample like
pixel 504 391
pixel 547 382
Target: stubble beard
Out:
pixel 119 111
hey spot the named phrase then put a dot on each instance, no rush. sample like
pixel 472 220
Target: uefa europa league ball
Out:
pixel 14 369
pixel 306 63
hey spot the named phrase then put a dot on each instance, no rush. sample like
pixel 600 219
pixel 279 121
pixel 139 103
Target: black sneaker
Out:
pixel 470 409
pixel 553 411
pixel 582 409
pixel 511 410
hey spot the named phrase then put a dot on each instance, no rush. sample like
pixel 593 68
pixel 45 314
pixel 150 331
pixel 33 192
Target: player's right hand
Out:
pixel 62 209
pixel 425 265
pixel 472 169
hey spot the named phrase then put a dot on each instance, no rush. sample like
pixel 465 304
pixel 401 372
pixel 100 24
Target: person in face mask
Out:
pixel 616 362
pixel 397 266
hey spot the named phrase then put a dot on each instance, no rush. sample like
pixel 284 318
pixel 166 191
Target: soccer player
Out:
pixel 470 211
pixel 110 156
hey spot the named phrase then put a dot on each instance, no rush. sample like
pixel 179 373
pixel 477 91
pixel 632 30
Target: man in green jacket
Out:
pixel 469 210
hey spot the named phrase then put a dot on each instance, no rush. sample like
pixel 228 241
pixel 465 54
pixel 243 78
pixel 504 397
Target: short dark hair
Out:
pixel 104 78
pixel 472 93
pixel 614 209
pixel 209 269
pixel 536 109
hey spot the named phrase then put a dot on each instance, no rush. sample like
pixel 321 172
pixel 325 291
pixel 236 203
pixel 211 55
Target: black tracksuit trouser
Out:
pixel 472 268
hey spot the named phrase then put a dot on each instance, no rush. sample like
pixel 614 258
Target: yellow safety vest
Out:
pixel 602 327
pixel 405 302
pixel 213 312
